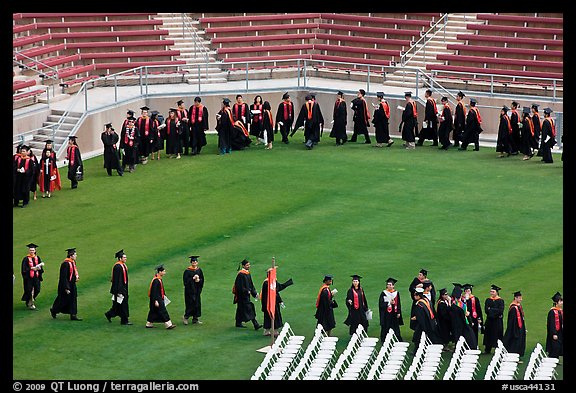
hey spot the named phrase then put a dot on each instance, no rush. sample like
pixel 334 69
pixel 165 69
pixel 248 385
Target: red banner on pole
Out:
pixel 271 301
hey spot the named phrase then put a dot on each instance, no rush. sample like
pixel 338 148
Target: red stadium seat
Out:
pixel 19 85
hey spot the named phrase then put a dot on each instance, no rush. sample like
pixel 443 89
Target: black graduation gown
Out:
pixel 503 138
pixel 111 156
pixel 21 182
pixel 31 278
pixel 555 326
pixel 409 123
pixel 257 122
pixel 547 134
pixel 537 131
pixel 527 137
pixel 242 113
pixel 48 168
pixel 130 141
pixel 160 134
pixel 74 162
pixel 325 305
pixel 340 120
pixel 287 119
pixel 172 136
pixel 35 171
pixel 461 327
pixel 459 122
pixel 514 339
pixel 424 323
pixel 356 315
pixel 445 127
pixel 494 322
pixel 381 124
pixel 192 292
pixel 198 120
pixel 267 126
pixel 475 318
pixel 66 303
pixel 472 129
pixel 225 127
pixel 240 138
pixel 515 138
pixel 361 118
pixel 431 121
pixel 390 315
pixel 278 322
pixel 160 313
pixel 183 130
pixel 243 289
pixel 147 137
pixel 119 286
pixel 312 126
pixel 444 322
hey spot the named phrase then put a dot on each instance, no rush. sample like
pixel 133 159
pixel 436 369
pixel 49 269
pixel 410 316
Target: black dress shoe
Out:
pixel 240 326
pixel 108 317
pixel 75 318
pixel 126 323
pixel 53 313
pixel 257 326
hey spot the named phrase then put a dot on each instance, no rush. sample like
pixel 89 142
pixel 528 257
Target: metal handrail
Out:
pixel 55 70
pixel 421 43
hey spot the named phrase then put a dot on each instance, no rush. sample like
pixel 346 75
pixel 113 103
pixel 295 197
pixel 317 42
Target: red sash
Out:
pixel 366 113
pixel 386 108
pixel 124 270
pixel 146 127
pixel 71 153
pixel 414 111
pixel 287 110
pixel 258 117
pixel 477 114
pixel 127 140
pixel 309 106
pixel 551 125
pixel 33 261
pixel 557 314
pixel 157 277
pixel 73 269
pixel 389 308
pixel 433 101
pixel 427 306
pixel 242 113
pixel 197 110
pixel 324 286
pixel 181 113
pixel 508 123
pixel 519 313
pixel 26 163
pixel 474 313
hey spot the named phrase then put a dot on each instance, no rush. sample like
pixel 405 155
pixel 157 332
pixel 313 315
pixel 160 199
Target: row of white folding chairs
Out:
pixel 323 361
pixel 362 359
pixel 464 362
pixel 319 353
pixel 540 366
pixel 309 353
pixel 427 360
pixel 391 358
pixel 285 336
pixel 289 356
pixel 503 365
pixel 346 357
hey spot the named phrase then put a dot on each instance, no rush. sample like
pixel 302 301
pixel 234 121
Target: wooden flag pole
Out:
pixel 272 326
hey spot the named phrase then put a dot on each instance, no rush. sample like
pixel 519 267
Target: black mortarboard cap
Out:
pixel 308 97
pixel 313 95
pixel 473 101
pixel 160 268
pixel 197 99
pixel 356 277
pixel 285 96
pixel 71 251
pixel 443 291
pixel 72 137
pixel 194 257
pixel 514 103
pixel 179 102
pixel 130 112
pixel 526 110
pixel 424 272
pixel 444 99
pixel 173 110
pixel 154 113
pixel 517 293
pixel 392 280
pixel 557 296
pixel 457 285
pixel 467 286
pixel 328 277
pixel 461 94
pixel 362 91
pixel 457 292
pixel 535 106
pixel 408 94
pixel 495 287
pixel 131 118
pixel 226 100
pixel 380 94
pixel 119 254
pixel 548 111
pixel 31 245
pixel 144 108
pixel 426 284
pixel 244 261
pixel 24 147
pixel 505 108
pixel 108 125
pixel 340 93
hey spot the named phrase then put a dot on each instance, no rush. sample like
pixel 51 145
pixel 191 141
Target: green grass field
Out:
pixel 463 216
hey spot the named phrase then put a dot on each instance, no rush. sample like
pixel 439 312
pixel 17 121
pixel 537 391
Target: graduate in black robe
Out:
pixel 325 305
pixel 357 306
pixel 515 138
pixel 129 143
pixel 474 307
pixel 340 119
pixel 459 319
pixel 119 290
pixel 285 117
pixel 198 120
pixel 424 320
pixel 158 129
pixel 361 117
pixel 443 317
pixel 267 133
pixel 537 124
pixel 171 131
pixel 74 159
pixel 35 171
pixel 504 133
pixel 111 155
pixel 256 123
pixel 446 124
pixel 548 136
pixel 278 322
pixel 381 121
pixel 193 279
pixel 240 137
pixel 473 127
pixel 23 173
pixel 310 116
pixel 183 128
pixel 555 328
pixel 48 176
pixel 244 288
pixel 241 111
pixel 419 281
pixel 31 270
pixel 430 123
pixel 390 308
pixel 459 119
pixel 224 127
pixel 66 301
pixel 527 133
pixel 157 311
pixel 147 137
pixel 409 122
pixel 514 339
pixel 494 322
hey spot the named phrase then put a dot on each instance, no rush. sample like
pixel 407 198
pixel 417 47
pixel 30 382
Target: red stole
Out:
pixel 366 113
pixel 73 269
pixel 519 313
pixel 309 106
pixel 124 270
pixel 324 286
pixel 414 111
pixel 473 301
pixel 146 127
pixel 197 111
pixel 33 261
pixel 242 112
pixel 427 306
pixel 389 308
pixel 508 123
pixel 433 102
pixel 258 117
pixel 287 110
pixel 26 162
pixel 386 108
pixel 127 134
pixel 551 125
pixel 531 125
pixel 159 278
pixel 71 153
pixel 181 113
pixel 473 108
pixel 558 312
pixel 356 302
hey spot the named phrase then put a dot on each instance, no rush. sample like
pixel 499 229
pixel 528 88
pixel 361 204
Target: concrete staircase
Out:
pixel 60 136
pixel 194 49
pixel 437 45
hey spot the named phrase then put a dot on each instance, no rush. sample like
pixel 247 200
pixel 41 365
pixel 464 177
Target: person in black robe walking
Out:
pixel 446 125
pixel 22 172
pixel 514 339
pixel 119 290
pixel 147 137
pixel 198 120
pixel 183 128
pixel 361 117
pixel 48 176
pixel 171 129
pixel 409 122
pixel 278 322
pixel 555 328
pixel 66 301
pixel 430 123
pixel 357 306
pixel 225 127
pixel 504 133
pixel 527 133
pixel 381 121
pixel 340 119
pixel 129 143
pixel 256 123
pixel 424 320
pixel 418 282
pixel 244 288
pixel 241 111
pixel 325 305
pixel 473 127
pixel 459 319
pixel 474 306
pixel 74 160
pixel 193 279
pixel 111 158
pixel 310 116
pixel 537 124
pixel 390 309
pixel 35 172
pixel 443 317
pixel 157 311
pixel 459 119
pixel 285 117
pixel 32 270
pixel 494 324
pixel 515 138
pixel 159 137
pixel 267 133
pixel 548 136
